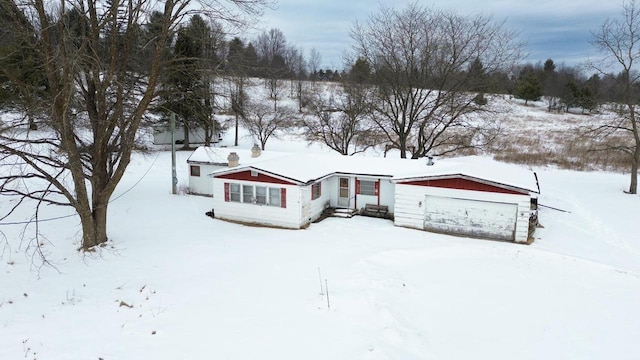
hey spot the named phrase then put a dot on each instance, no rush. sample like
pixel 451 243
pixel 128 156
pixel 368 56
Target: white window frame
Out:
pixel 275 193
pixel 270 196
pixel 237 192
pixel 247 196
pixel 260 199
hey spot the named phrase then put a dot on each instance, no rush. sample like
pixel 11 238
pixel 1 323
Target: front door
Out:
pixel 343 192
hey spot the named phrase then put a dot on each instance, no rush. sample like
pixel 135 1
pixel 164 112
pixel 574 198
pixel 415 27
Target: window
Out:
pixel 195 170
pixel 247 193
pixel 367 187
pixel 261 195
pixel 316 190
pixel 274 196
pixel 234 192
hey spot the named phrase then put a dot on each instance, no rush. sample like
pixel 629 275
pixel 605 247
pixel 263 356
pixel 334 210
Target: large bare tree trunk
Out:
pixel 94 225
pixel 186 145
pixel 235 141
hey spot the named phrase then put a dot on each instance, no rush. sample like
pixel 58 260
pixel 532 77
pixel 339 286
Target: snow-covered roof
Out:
pixel 478 167
pixel 218 155
pixel 308 168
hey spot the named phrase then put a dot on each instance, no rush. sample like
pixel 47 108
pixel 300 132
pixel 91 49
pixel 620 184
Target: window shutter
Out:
pixel 357 186
pixel 226 192
pixel 283 198
pixel 376 188
pixel 319 189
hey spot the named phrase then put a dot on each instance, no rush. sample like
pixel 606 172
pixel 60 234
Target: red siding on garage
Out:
pixel 463 184
pixel 246 176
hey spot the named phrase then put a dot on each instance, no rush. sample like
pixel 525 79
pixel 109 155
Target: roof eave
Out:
pixel 253 168
pixel 468 177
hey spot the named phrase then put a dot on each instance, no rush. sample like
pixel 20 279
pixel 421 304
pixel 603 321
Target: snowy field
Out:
pixel 175 284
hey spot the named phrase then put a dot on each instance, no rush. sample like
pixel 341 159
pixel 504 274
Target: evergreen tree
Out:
pixel 360 72
pixel 571 95
pixel 23 81
pixel 588 100
pixel 477 77
pixel 549 66
pixel 183 93
pixel 551 87
pixel 528 88
pixel 251 60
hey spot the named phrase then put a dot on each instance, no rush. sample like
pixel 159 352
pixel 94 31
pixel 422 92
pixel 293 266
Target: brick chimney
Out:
pixel 255 151
pixel 233 159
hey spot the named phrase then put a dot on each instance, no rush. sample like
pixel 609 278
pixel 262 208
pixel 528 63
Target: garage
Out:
pixel 463 205
pixel 475 218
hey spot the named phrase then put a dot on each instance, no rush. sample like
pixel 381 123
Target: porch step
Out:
pixel 337 212
pixel 343 213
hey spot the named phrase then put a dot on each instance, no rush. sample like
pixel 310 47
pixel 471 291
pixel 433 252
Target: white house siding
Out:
pixel 331 190
pixel 196 136
pixel 202 185
pixel 289 217
pixel 411 209
pixel 387 194
pixel 318 205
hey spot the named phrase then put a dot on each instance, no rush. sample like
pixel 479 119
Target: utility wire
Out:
pixel 71 215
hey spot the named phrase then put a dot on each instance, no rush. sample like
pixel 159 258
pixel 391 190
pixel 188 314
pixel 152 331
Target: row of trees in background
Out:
pixel 202 55
pixel 564 88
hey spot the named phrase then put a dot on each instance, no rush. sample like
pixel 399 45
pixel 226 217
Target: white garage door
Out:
pixel 484 219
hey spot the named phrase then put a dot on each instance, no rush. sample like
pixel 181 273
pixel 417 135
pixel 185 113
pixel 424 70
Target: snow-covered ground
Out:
pixel 175 284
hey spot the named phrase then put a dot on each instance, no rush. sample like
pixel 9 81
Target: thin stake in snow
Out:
pixel 320 278
pixel 326 286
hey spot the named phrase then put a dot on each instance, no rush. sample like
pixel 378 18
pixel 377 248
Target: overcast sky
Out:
pixel 556 29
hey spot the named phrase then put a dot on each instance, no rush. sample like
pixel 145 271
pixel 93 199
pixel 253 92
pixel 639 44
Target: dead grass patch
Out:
pixel 565 146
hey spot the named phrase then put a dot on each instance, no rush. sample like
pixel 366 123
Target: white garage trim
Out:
pixel 476 218
pixel 412 206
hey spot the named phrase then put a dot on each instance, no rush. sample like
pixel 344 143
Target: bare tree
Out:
pixel 315 60
pixel 619 41
pixel 238 68
pixel 213 58
pixel 264 122
pixel 95 99
pixel 238 99
pixel 419 59
pixel 298 66
pixel 271 47
pixel 341 121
